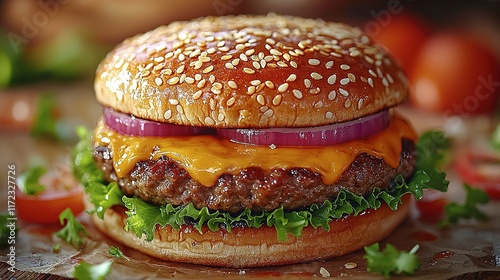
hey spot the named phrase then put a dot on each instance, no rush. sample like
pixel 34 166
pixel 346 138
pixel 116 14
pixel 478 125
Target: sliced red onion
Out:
pixel 130 125
pixel 311 136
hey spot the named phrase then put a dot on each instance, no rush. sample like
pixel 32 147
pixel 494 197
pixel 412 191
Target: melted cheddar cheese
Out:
pixel 207 157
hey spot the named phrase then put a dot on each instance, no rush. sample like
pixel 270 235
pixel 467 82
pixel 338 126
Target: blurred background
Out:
pixel 49 50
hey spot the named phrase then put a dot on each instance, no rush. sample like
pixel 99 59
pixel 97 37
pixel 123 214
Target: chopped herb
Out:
pixel 391 260
pixel 73 232
pixel 28 181
pixel 117 253
pixel 468 210
pixel 86 271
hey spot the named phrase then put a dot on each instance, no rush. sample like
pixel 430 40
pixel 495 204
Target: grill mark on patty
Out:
pixel 163 181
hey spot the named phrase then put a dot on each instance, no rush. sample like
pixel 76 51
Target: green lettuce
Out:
pixel 143 217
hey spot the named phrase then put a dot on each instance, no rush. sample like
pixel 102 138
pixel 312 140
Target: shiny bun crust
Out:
pixel 251 247
pixel 250 71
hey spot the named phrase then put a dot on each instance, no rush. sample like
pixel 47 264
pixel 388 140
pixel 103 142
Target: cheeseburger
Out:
pixel 245 141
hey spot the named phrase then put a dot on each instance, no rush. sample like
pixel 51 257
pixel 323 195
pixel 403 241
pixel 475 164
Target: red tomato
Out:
pixel 45 207
pixel 431 206
pixel 455 75
pixel 481 170
pixel 403 35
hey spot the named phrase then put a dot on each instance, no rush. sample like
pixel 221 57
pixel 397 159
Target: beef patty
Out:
pixel 163 181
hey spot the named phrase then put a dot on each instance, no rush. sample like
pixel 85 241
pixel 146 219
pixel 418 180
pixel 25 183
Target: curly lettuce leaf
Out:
pixel 73 231
pixel 143 218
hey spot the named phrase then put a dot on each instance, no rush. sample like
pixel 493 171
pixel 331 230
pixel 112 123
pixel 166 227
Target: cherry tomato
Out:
pixel 431 206
pixel 481 170
pixel 403 35
pixel 44 208
pixel 455 75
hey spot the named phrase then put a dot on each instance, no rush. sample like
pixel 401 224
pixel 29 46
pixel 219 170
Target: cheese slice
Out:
pixel 207 157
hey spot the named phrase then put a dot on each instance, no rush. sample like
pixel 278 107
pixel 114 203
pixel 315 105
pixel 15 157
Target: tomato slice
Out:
pixel 61 192
pixel 480 169
pixel 431 206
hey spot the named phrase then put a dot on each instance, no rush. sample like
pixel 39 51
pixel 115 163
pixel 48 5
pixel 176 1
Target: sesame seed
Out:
pixel 347 103
pixel 248 70
pixel 195 53
pixel 332 95
pixel 251 90
pixel 173 80
pixel 355 53
pixel 282 64
pixel 261 100
pixel 181 79
pixel 318 105
pixel 173 101
pixel 168 114
pixel 351 77
pixel 270 41
pixel 208 69
pixel 197 77
pixel 372 73
pixel 212 104
pixel 307 83
pixel 287 56
pixel 235 62
pixel 316 76
pixel 209 121
pixel 369 59
pixel 277 100
pixel 189 80
pixel 158 59
pixel 224 49
pixel 220 117
pixel 385 82
pixel 283 87
pixel 181 57
pixel 180 69
pixel 216 88
pixel 256 65
pixel 198 64
pixel 158 81
pixel 269 84
pixel 169 55
pixel 179 109
pixel 297 93
pixel 221 44
pixel 332 79
pixel 345 67
pixel 389 78
pixel 240 47
pixel 201 83
pixel 293 64
pixel 370 82
pixel 232 85
pixel 268 113
pixel 249 52
pixel 243 57
pixel 343 92
pixel 329 64
pixel 211 78
pixel 260 87
pixel 228 65
pixel 197 95
pixel 344 81
pixel 360 103
pixel 255 82
pixel 275 52
pixel 314 90
pixel 350 265
pixel 313 62
pixel 149 66
pixel 211 50
pixel 230 101
pixel 291 78
pixel 379 72
pixel 263 63
pixel 226 57
pixel 328 115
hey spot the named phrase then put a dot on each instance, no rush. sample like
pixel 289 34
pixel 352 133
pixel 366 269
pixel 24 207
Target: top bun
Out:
pixel 250 72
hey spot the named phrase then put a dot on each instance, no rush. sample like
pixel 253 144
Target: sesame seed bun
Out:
pixel 244 246
pixel 250 71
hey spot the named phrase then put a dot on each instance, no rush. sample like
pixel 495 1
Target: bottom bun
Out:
pixel 252 247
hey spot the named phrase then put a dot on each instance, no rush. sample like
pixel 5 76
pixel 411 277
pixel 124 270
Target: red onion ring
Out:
pixel 311 136
pixel 130 125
